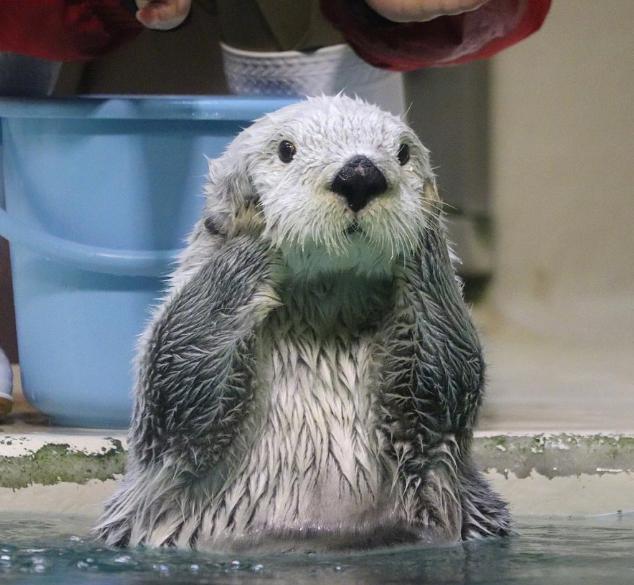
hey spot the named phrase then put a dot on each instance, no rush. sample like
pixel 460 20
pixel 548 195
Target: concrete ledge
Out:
pixel 560 474
pixel 554 454
pixel 53 458
pixel 74 471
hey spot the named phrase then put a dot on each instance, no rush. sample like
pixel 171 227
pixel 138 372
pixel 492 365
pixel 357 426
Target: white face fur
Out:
pixel 315 228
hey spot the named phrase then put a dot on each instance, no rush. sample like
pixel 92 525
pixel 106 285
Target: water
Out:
pixel 45 550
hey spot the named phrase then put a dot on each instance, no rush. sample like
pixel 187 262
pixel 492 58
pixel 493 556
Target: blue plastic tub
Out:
pixel 99 196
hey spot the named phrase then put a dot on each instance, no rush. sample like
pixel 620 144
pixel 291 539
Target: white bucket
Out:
pixel 326 71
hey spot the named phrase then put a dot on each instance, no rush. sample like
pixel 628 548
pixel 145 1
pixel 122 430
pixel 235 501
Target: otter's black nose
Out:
pixel 359 181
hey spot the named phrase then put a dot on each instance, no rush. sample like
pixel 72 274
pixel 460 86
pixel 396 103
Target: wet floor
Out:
pixel 48 550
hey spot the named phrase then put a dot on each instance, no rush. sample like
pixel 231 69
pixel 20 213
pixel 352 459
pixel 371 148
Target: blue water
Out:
pixel 598 551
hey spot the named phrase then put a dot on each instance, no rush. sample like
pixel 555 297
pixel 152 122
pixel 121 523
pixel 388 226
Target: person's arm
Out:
pixel 65 31
pixel 444 40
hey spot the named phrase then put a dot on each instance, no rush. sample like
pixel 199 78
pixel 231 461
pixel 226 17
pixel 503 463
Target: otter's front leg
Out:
pixel 193 390
pixel 194 382
pixel 433 376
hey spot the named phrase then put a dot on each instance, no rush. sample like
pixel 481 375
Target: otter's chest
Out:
pixel 315 458
pixel 319 436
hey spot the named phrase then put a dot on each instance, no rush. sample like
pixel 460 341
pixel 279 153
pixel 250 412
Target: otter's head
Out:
pixel 338 184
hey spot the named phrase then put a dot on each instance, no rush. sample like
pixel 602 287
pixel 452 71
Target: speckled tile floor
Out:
pixel 539 383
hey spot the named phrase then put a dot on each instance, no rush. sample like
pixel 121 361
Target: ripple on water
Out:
pixel 44 550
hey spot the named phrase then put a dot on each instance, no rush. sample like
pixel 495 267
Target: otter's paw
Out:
pixel 249 220
pixel 113 533
pixel 115 525
pixel 484 512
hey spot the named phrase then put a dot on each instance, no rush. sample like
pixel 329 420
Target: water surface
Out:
pixel 57 550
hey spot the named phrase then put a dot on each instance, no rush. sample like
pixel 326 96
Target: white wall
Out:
pixel 563 173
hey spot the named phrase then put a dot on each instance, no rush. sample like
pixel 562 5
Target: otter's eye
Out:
pixel 403 154
pixel 286 151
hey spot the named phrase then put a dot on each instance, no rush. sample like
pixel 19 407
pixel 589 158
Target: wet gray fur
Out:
pixel 287 409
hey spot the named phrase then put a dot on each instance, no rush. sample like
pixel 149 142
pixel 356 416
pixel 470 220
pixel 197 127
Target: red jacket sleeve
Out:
pixel 448 40
pixel 64 30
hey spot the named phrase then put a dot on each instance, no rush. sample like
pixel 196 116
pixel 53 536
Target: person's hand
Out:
pixel 162 14
pixel 421 10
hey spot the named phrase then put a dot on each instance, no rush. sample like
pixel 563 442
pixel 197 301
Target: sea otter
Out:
pixel 312 378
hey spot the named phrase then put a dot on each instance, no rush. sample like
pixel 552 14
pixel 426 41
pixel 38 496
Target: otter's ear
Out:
pixel 229 192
